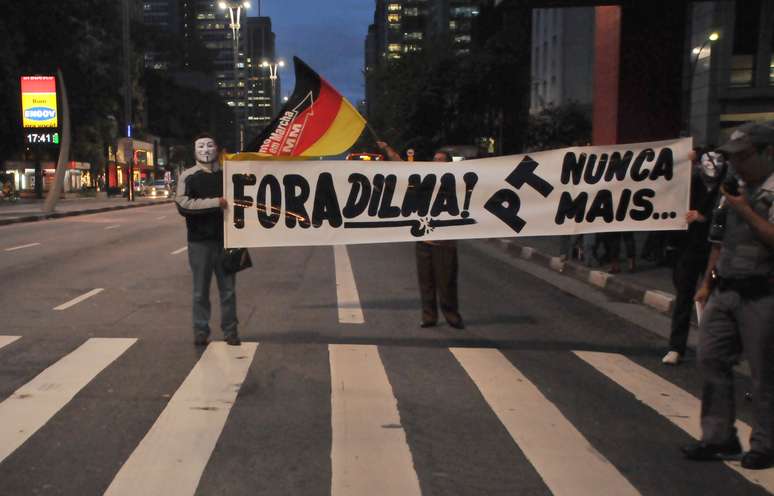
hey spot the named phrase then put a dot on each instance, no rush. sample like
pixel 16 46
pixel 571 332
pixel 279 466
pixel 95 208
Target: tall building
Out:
pixel 167 17
pixel 262 92
pixel 729 81
pixel 403 27
pixel 451 23
pixel 562 56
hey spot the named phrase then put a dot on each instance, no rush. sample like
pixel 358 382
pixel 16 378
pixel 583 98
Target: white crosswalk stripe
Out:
pixel 365 415
pixel 562 456
pixel 369 443
pixel 32 405
pixel 6 340
pixel 172 456
pixel 678 406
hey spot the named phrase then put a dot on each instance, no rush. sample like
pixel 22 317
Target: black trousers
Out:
pixel 689 268
pixel 437 271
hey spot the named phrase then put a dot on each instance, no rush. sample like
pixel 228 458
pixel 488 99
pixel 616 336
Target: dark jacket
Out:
pixel 199 190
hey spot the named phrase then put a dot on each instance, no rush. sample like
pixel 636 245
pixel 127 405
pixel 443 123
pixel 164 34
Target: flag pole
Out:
pixel 371 130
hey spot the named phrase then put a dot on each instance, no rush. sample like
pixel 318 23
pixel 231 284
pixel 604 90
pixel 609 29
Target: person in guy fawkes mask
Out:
pixel 200 200
pixel 437 267
pixel 739 316
pixel 693 248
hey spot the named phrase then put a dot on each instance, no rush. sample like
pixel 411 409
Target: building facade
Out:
pixel 262 91
pixel 562 57
pixel 728 81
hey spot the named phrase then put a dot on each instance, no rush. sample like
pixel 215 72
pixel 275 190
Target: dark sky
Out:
pixel 329 35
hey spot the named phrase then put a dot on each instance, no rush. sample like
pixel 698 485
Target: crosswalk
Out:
pixel 370 451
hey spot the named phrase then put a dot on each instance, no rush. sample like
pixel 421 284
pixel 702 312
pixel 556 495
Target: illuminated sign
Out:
pixel 44 137
pixel 39 102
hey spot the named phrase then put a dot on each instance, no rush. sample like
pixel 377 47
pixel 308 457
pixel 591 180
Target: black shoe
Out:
pixel 457 324
pixel 755 460
pixel 233 340
pixel 201 340
pixel 712 452
pixel 427 323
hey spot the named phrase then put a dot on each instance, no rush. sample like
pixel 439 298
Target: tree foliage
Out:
pixel 441 97
pixel 560 126
pixel 82 37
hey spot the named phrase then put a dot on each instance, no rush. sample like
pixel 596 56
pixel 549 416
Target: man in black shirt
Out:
pixel 200 200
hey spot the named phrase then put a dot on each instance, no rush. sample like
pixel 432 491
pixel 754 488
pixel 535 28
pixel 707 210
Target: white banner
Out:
pixel 639 187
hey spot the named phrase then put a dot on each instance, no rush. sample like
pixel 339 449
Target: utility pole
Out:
pixel 129 147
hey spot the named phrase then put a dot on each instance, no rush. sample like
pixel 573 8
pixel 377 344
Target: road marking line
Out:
pixel 113 226
pixel 32 405
pixel 161 218
pixel 180 250
pixel 567 462
pixel 79 299
pixel 6 340
pixel 364 416
pixel 172 456
pixel 678 406
pixel 346 289
pixel 22 247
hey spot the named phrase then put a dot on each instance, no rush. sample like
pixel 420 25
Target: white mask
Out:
pixel 205 150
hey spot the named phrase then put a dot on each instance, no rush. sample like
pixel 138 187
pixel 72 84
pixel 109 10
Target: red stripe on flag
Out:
pixel 321 115
pixel 38 84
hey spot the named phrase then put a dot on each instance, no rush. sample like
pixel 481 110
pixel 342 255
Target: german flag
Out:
pixel 315 121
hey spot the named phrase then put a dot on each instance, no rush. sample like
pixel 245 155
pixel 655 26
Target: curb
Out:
pixel 58 215
pixel 614 286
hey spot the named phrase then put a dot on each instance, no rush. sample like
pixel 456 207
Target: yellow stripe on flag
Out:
pixel 344 131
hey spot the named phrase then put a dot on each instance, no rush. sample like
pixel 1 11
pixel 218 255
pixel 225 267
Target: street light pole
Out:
pixel 688 105
pixel 273 71
pixel 128 146
pixel 235 12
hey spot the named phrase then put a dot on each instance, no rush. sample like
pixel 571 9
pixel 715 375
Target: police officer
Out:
pixel 739 290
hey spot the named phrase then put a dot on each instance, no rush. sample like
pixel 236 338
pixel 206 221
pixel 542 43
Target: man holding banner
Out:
pixel 436 267
pixel 739 284
pixel 200 200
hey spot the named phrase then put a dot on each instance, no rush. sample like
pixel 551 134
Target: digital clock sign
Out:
pixel 42 138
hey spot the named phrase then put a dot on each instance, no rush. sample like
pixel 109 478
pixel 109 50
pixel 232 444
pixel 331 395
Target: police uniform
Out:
pixel 739 317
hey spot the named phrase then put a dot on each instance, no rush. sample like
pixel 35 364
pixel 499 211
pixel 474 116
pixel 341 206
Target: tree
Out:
pixel 556 127
pixel 80 36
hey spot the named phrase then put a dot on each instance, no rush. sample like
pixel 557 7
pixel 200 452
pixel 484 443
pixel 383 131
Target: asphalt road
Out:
pixel 545 392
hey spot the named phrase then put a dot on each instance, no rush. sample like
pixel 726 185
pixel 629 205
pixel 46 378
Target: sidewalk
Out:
pixel 30 210
pixel 650 283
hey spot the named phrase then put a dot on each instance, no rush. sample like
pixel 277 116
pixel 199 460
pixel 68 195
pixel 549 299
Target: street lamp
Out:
pixel 273 70
pixel 235 12
pixel 697 51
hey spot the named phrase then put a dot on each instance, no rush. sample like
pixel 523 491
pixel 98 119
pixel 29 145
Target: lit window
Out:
pixel 393 7
pixel 394 47
pixel 452 25
pixel 462 38
pixel 411 11
pixel 412 48
pixel 413 36
pixel 393 17
pixel 464 12
pixel 393 56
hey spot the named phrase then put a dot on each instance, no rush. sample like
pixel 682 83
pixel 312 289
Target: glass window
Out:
pixel 393 17
pixel 413 36
pixel 462 38
pixel 464 11
pixel 394 47
pixel 411 11
pixel 393 7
